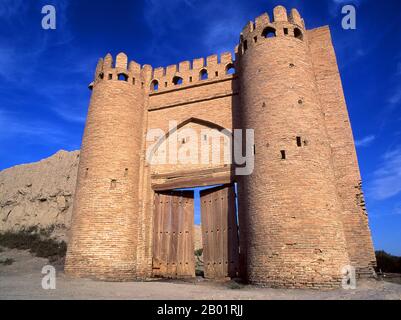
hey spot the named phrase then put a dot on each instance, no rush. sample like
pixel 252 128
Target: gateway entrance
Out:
pixel 174 238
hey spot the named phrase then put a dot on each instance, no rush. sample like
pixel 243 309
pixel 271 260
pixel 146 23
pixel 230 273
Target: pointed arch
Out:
pixel 206 123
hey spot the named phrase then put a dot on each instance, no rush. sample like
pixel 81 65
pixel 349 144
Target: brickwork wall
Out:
pixel 212 101
pixel 348 178
pixel 294 233
pixel 104 224
pixel 301 218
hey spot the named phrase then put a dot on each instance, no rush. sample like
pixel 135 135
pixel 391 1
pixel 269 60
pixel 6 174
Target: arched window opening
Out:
pixel 101 76
pixel 269 32
pixel 299 142
pixel 177 80
pixel 245 45
pixel 154 86
pixel 203 75
pixel 230 69
pixel 298 34
pixel 122 77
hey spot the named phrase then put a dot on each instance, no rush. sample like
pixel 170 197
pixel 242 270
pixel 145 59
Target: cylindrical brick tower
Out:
pixel 103 236
pixel 291 232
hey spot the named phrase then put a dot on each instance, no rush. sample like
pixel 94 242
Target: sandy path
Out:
pixel 22 280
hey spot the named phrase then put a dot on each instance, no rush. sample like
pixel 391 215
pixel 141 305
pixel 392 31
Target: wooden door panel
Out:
pixel 173 241
pixel 232 236
pixel 219 232
pixel 187 257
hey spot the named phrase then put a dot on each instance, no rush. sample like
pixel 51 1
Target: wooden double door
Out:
pixel 173 233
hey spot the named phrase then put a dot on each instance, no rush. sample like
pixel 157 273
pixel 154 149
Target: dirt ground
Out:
pixel 22 280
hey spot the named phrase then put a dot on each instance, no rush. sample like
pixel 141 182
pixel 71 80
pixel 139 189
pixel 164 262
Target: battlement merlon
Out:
pixel 194 65
pixel 134 73
pixel 131 72
pixel 280 18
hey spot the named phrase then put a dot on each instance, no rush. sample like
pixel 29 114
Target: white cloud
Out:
pixel 395 98
pixel 394 211
pixel 387 180
pixel 16 47
pixel 365 142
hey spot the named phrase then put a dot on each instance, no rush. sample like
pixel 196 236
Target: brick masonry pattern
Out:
pixel 301 218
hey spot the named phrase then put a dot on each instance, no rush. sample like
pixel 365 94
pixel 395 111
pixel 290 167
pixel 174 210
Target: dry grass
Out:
pixel 36 241
pixel 7 262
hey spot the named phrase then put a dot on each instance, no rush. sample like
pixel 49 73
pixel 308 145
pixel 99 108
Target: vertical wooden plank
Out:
pixel 203 228
pixel 217 233
pixel 188 214
pixel 233 239
pixel 224 226
pixel 206 199
pixel 175 212
pixel 185 257
pixel 191 224
pixel 181 245
pixel 158 229
pixel 173 235
pixel 220 232
pixel 158 223
pixel 210 240
pixel 213 208
pixel 166 239
pixel 205 232
pixel 156 241
pixel 162 217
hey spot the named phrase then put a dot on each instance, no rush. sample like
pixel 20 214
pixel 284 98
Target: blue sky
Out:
pixel 44 74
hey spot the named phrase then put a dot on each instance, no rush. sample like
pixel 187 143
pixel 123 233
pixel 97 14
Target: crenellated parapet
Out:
pixel 197 71
pixel 189 73
pixel 121 70
pixel 263 28
pixel 183 74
